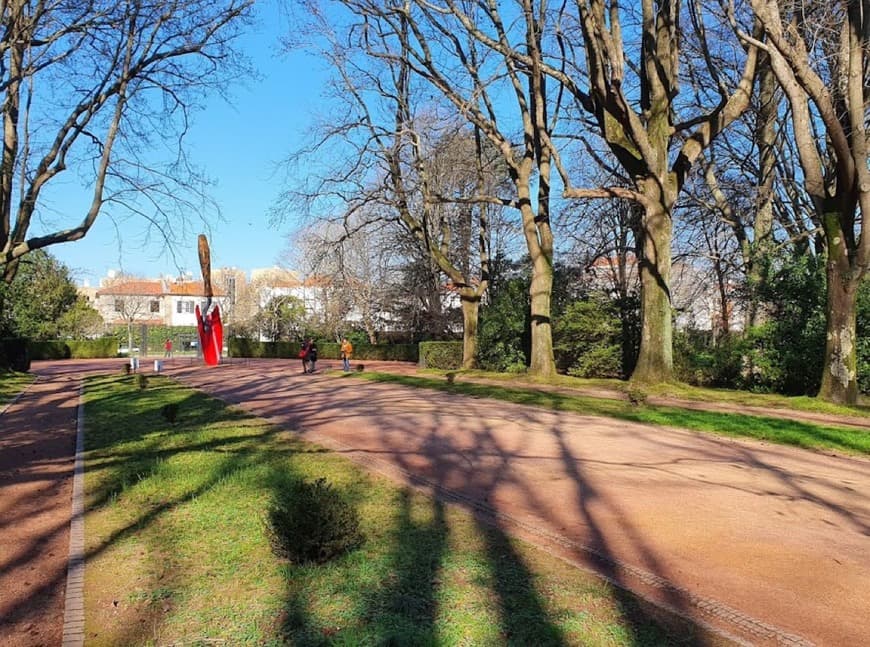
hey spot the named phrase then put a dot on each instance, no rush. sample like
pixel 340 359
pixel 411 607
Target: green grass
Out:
pixel 777 430
pixel 680 391
pixel 177 552
pixel 11 384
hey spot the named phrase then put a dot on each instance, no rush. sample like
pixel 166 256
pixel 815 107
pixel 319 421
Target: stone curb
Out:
pixel 74 602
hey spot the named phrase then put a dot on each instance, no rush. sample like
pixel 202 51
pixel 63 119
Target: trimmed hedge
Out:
pixel 14 354
pixel 443 355
pixel 73 348
pixel 241 347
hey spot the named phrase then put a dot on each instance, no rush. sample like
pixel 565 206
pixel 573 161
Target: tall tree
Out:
pixel 820 54
pixel 89 86
pixel 629 83
pixel 498 98
pixel 431 166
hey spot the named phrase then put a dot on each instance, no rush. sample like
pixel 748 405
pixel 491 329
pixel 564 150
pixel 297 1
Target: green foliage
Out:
pixel 35 303
pixel 702 361
pixel 443 355
pixel 75 349
pixel 503 341
pixel 586 338
pixel 282 318
pixel 80 321
pixel 784 354
pixel 311 522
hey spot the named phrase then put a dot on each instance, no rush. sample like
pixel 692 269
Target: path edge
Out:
pixel 74 600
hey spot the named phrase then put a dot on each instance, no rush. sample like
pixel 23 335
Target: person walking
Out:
pixel 303 355
pixel 167 348
pixel 312 355
pixel 346 352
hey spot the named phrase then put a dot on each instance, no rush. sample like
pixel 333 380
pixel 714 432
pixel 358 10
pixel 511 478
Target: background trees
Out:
pixel 821 58
pixel 627 104
pixel 42 303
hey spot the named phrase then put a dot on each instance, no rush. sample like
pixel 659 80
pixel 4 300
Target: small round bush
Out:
pixel 311 522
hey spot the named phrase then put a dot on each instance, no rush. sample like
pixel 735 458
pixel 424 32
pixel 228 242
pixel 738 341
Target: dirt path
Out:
pixel 37 451
pixel 37 446
pixel 769 543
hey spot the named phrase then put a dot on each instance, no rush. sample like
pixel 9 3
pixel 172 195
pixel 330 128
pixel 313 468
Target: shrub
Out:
pixel 587 339
pixel 311 522
pixel 14 354
pixel 443 355
pixel 503 339
pixel 74 348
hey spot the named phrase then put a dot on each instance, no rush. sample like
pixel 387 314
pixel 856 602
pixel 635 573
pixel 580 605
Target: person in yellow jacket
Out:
pixel 346 352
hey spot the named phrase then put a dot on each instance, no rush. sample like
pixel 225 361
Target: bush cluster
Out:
pixel 443 355
pixel 311 522
pixel 74 348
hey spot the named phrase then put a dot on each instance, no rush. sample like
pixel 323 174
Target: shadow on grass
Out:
pixel 400 603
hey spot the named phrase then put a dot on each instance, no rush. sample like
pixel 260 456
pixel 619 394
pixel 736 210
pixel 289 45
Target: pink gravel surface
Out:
pixel 768 544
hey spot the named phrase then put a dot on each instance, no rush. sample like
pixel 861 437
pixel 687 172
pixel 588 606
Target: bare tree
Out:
pixel 89 86
pixel 360 264
pixel 820 54
pixel 419 41
pixel 431 169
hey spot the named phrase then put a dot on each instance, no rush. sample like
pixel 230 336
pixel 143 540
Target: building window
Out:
pixel 155 306
pixel 184 306
pixel 119 305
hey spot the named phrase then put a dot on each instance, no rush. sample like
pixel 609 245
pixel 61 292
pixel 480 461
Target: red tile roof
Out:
pixel 133 288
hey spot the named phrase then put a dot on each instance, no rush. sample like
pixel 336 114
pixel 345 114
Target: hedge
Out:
pixel 241 347
pixel 14 354
pixel 73 348
pixel 443 355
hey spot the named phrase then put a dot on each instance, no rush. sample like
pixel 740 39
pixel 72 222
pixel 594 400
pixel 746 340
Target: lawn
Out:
pixel 680 391
pixel 177 551
pixel 11 385
pixel 778 430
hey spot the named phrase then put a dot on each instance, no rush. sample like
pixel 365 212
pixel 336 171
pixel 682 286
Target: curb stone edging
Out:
pixel 74 600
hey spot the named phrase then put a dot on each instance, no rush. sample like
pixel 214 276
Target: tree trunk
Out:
pixel 655 362
pixel 470 307
pixel 840 372
pixel 540 291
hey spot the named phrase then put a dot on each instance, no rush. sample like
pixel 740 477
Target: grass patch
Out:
pixel 11 384
pixel 777 430
pixel 683 392
pixel 177 552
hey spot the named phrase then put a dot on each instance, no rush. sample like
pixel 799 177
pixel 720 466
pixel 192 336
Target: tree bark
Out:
pixel 840 372
pixel 655 362
pixel 470 306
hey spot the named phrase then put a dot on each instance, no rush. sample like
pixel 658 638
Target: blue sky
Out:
pixel 237 145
